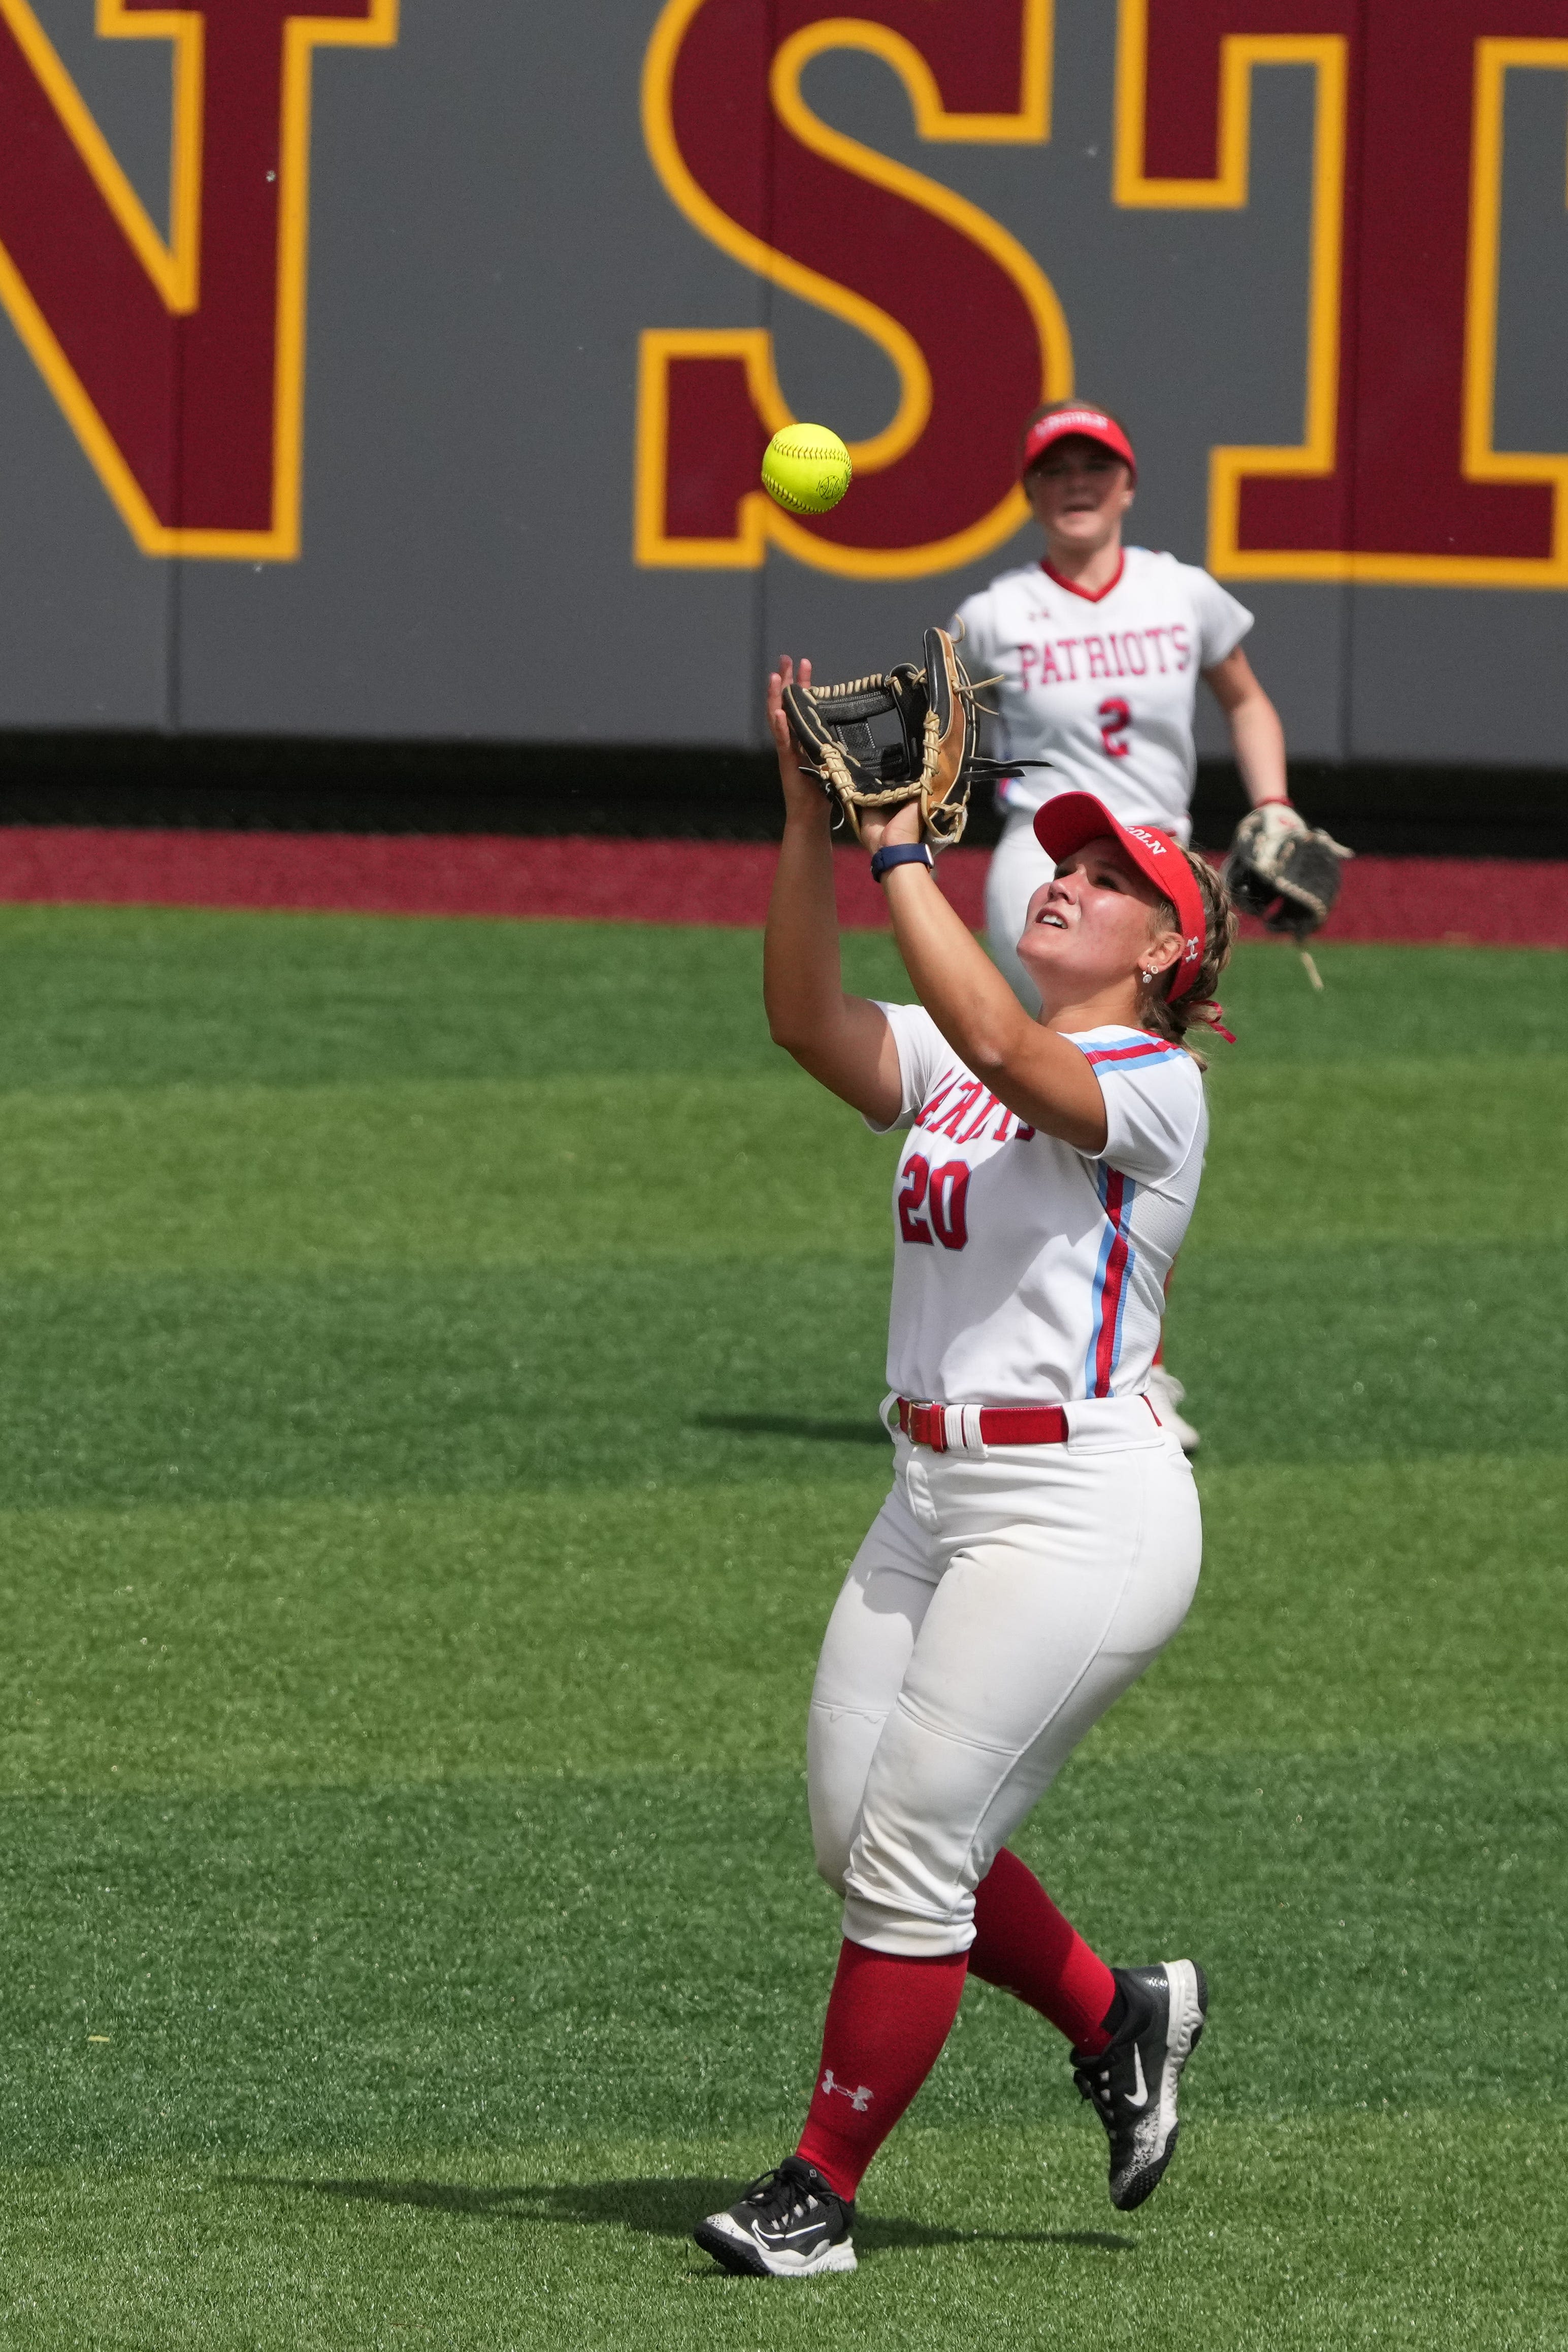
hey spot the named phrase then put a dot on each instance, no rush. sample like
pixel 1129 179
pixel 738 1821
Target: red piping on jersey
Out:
pixel 1111 1295
pixel 1090 595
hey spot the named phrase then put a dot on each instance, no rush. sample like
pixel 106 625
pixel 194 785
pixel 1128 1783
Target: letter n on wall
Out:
pixel 179 363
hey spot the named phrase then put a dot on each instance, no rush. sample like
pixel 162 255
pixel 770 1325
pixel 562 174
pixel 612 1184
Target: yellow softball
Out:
pixel 806 469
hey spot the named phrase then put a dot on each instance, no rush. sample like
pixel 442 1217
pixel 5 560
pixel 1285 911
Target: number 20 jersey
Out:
pixel 1025 1272
pixel 1102 686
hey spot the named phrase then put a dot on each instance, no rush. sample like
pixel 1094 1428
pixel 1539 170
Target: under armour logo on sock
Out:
pixel 859 2099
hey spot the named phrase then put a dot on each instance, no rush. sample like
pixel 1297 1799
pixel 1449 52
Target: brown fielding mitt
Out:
pixel 913 734
pixel 1289 877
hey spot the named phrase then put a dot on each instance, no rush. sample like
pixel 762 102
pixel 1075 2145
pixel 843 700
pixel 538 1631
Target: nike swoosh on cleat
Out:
pixel 1142 2098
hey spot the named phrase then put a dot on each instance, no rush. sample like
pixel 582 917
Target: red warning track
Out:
pixel 1491 901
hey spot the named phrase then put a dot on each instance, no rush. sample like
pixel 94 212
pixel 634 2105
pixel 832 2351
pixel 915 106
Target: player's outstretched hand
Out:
pixel 1275 820
pixel 803 796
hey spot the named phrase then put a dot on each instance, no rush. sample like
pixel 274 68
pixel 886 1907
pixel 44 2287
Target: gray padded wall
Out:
pixel 488 238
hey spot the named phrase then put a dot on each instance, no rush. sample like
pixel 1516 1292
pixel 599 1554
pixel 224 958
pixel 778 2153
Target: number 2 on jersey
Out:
pixel 931 1204
pixel 1115 718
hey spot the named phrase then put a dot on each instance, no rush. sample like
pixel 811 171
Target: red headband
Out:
pixel 1091 424
pixel 1066 821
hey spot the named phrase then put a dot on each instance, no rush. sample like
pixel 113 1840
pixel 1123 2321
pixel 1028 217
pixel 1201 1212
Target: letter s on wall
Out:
pixel 937 486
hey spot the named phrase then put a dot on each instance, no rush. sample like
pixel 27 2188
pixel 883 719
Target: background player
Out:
pixel 1040 1544
pixel 1099 649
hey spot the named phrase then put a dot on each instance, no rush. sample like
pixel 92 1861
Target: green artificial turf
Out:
pixel 439 1402
pixel 228 1646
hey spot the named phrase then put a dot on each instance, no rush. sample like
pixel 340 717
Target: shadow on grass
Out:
pixel 869 1431
pixel 662 2209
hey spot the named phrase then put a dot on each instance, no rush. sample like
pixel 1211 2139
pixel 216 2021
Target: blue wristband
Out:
pixel 905 853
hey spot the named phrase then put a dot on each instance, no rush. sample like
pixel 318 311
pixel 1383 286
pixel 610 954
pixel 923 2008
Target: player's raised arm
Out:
pixel 844 1041
pixel 1123 933
pixel 1256 737
pixel 1026 1065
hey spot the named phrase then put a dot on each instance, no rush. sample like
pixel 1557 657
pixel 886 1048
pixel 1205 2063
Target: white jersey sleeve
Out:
pixel 971 629
pixel 924 1053
pixel 1221 620
pixel 1153 1106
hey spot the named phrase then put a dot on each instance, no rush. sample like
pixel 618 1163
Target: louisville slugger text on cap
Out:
pixel 1066 823
pixel 1088 424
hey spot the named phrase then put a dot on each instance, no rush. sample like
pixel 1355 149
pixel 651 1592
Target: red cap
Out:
pixel 1091 424
pixel 1066 821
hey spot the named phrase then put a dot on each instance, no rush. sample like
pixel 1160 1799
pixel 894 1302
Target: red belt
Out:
pixel 999 1425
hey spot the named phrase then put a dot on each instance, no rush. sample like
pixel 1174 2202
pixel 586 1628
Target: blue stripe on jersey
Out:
pixel 1113 1227
pixel 1130 1058
pixel 1128 1198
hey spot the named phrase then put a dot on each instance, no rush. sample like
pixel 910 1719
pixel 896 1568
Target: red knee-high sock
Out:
pixel 1022 1943
pixel 886 2021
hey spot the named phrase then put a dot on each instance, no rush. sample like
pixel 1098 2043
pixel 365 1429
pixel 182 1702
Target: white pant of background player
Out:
pixel 1018 866
pixel 1001 1602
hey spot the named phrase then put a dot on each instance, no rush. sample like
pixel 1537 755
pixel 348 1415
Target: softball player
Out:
pixel 1040 1544
pixel 1098 649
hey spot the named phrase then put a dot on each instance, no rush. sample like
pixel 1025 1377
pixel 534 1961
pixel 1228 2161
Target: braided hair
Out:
pixel 1156 1013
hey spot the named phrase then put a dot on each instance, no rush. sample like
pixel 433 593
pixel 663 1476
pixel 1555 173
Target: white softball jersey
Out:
pixel 1027 1272
pixel 1102 686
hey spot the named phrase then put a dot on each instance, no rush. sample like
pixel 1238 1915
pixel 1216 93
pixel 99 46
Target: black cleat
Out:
pixel 1132 2085
pixel 787 2224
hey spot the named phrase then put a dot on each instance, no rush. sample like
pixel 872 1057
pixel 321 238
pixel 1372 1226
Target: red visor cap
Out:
pixel 1090 423
pixel 1070 820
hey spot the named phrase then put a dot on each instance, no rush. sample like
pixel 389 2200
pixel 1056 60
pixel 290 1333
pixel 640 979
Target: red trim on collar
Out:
pixel 1090 595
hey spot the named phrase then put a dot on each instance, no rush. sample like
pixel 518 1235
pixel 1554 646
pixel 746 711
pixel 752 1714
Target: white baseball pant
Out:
pixel 1000 1603
pixel 1018 866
